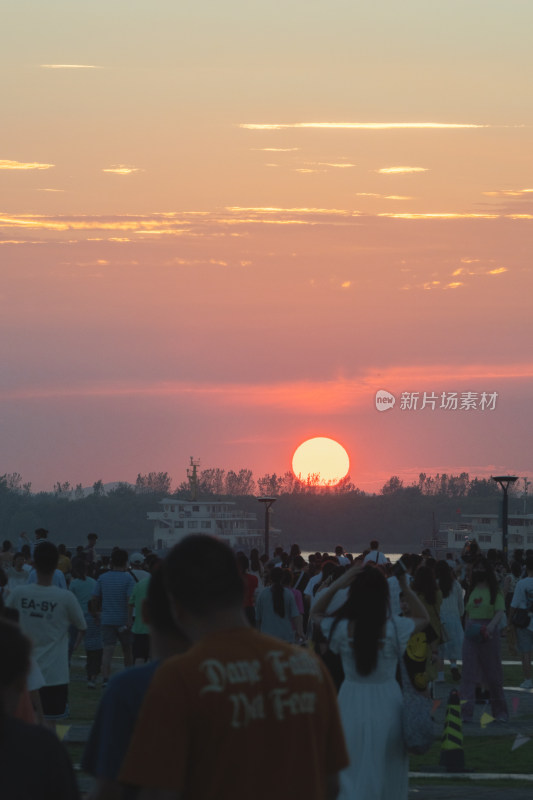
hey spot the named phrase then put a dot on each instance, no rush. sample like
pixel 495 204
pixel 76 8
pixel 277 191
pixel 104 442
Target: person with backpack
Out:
pixel 375 556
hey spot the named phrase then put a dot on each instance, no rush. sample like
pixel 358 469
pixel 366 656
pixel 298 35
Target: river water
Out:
pixel 393 557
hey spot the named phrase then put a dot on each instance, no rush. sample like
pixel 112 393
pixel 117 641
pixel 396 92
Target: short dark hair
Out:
pixel 79 568
pixel 328 568
pixel 42 532
pixel 374 544
pixel 119 557
pixel 16 649
pixel 243 561
pixel 158 606
pixel 201 574
pixel 46 557
pixel 529 563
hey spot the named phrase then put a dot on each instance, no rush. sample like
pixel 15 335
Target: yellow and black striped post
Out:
pixel 452 755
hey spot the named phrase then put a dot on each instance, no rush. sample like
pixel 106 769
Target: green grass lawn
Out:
pixel 83 701
pixel 490 754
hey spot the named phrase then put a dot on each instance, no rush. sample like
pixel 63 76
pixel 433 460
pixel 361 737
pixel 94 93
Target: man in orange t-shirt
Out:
pixel 241 714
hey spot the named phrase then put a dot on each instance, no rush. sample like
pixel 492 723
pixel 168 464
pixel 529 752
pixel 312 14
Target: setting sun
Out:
pixel 320 461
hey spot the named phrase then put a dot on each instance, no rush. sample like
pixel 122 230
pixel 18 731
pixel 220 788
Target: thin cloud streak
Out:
pixel 298 395
pixel 402 377
pixel 275 210
pixel 478 271
pixel 436 285
pixel 69 66
pixel 337 166
pixel 202 224
pixel 445 215
pixel 509 193
pixel 6 164
pixel 400 170
pixel 122 169
pixel 384 196
pixel 317 397
pixel 308 170
pixel 363 125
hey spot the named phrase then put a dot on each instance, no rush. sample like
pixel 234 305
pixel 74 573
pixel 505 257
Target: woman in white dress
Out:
pixel 451 612
pixel 370 641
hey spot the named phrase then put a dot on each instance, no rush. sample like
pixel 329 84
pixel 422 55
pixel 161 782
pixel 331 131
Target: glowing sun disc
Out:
pixel 320 461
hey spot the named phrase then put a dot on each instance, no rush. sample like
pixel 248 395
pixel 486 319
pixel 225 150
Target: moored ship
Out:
pixel 221 518
pixel 486 529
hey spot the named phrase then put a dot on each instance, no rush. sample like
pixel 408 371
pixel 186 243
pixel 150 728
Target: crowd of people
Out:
pixel 247 664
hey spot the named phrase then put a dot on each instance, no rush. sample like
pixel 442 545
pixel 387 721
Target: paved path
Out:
pixel 473 792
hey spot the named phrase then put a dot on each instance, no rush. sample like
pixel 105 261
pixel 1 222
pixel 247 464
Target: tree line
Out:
pixel 314 516
pixel 216 482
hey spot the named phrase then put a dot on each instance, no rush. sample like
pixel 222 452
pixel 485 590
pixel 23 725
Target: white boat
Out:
pixel 486 530
pixel 221 518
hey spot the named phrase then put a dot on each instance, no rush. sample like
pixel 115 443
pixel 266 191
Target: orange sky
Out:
pixel 222 233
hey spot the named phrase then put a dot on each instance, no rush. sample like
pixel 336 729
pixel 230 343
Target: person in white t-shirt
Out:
pixel 341 558
pixel 41 535
pixel 46 613
pixel 375 556
pixel 89 550
pixel 137 569
pixel 327 568
pixel 16 573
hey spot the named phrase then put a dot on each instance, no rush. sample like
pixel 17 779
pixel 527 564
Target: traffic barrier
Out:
pixel 452 755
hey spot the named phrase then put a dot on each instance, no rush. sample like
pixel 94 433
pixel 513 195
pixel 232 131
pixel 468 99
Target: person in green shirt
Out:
pixel 482 663
pixel 141 640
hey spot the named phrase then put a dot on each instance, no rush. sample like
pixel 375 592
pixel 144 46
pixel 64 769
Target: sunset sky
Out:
pixel 225 226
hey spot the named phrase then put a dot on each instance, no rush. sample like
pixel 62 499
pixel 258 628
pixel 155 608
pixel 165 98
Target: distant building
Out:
pixel 486 530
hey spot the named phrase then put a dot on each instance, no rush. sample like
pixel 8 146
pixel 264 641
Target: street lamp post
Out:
pixel 504 481
pixel 268 501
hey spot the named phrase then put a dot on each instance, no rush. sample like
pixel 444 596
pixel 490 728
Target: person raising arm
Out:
pixel 370 640
pixel 417 610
